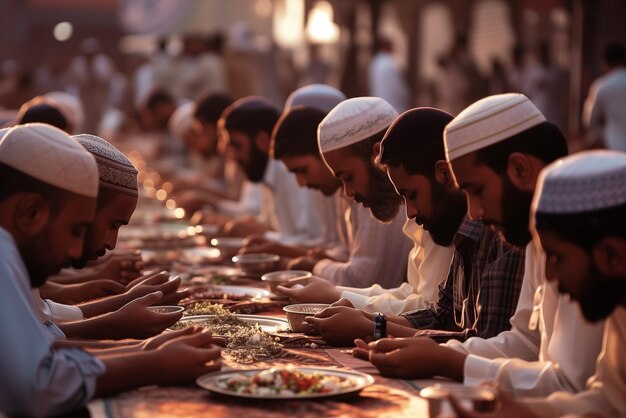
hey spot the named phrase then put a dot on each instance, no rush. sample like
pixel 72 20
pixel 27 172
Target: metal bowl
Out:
pixel 283 277
pixel 298 312
pixel 166 309
pixel 256 263
pixel 228 246
pixel 472 398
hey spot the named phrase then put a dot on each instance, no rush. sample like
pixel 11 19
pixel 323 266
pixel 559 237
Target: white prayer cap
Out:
pixel 181 120
pixel 3 132
pixel 50 155
pixel 354 120
pixel 582 182
pixel 489 121
pixel 116 172
pixel 321 96
pixel 71 107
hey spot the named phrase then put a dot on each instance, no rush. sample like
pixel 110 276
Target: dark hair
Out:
pixel 585 229
pixel 157 98
pixel 14 181
pixel 544 141
pixel 415 141
pixel 105 197
pixel 615 54
pixel 295 133
pixel 250 115
pixel 44 113
pixel 209 107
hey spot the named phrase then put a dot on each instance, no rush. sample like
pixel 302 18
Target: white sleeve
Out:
pixel 535 362
pixel 374 250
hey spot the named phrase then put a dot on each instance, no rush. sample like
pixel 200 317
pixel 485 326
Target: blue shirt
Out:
pixel 35 379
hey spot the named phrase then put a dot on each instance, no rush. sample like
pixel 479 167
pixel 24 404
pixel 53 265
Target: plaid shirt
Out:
pixel 482 289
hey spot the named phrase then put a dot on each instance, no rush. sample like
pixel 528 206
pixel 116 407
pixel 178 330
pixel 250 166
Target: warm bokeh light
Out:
pixel 179 213
pixel 63 31
pixel 170 204
pixel 161 194
pixel 320 28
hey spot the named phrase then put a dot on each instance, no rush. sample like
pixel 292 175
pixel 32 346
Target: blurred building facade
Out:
pixel 436 43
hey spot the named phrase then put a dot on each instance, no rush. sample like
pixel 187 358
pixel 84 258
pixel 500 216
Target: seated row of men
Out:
pixel 482 302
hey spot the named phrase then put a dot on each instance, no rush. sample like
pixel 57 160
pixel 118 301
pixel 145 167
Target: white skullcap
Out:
pixel 582 182
pixel 3 132
pixel 320 96
pixel 50 155
pixel 71 107
pixel 354 120
pixel 181 120
pixel 116 172
pixel 489 121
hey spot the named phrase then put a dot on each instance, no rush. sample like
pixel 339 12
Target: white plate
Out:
pixel 360 380
pixel 253 292
pixel 266 323
pixel 199 255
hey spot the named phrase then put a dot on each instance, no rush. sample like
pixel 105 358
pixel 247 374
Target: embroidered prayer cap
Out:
pixel 489 121
pixel 116 172
pixel 321 96
pixel 413 129
pixel 354 120
pixel 181 120
pixel 583 182
pixel 50 155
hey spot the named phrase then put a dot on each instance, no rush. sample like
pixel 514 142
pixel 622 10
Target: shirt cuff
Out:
pixel 479 370
pixel 89 367
pixel 358 301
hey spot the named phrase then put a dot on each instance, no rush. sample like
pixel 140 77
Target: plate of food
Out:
pixel 219 323
pixel 249 338
pixel 288 382
pixel 235 293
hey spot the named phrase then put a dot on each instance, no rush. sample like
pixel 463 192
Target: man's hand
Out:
pixel 121 267
pixel 183 359
pixel 339 326
pixel 135 320
pixel 155 283
pixel 317 290
pixel 411 358
pixel 159 340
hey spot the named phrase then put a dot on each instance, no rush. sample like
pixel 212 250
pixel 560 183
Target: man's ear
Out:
pixel 443 173
pixel 609 256
pixel 262 141
pixel 521 171
pixel 375 153
pixel 32 213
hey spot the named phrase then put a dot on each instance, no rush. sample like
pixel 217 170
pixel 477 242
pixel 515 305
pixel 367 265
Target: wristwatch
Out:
pixel 380 326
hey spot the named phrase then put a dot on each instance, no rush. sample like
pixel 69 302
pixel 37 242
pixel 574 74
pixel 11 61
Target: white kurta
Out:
pixel 560 354
pixel 606 390
pixel 428 266
pixel 35 379
pixel 49 310
pixel 606 108
pixel 375 249
pixel 289 208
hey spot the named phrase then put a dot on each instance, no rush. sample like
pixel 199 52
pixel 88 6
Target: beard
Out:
pixel 449 208
pixel 515 214
pixel 601 295
pixel 383 201
pixel 255 167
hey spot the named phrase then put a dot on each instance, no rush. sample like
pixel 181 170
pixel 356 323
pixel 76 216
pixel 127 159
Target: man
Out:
pixel 578 214
pixel 482 288
pixel 47 201
pixel 117 199
pixel 605 106
pixel 496 148
pixel 287 212
pixel 368 260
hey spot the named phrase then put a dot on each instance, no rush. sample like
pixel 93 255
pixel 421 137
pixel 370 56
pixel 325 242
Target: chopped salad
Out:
pixel 285 382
